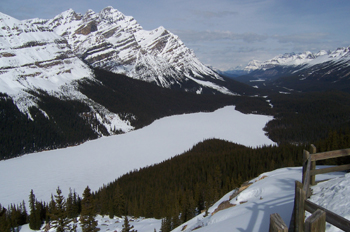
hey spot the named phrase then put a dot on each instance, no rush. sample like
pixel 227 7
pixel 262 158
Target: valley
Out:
pixel 96 100
pixel 101 161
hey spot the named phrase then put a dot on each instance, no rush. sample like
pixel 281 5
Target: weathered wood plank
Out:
pixel 293 221
pixel 277 224
pixel 306 179
pixel 300 197
pixel 330 154
pixel 316 222
pixel 330 169
pixel 306 156
pixel 313 165
pixel 332 218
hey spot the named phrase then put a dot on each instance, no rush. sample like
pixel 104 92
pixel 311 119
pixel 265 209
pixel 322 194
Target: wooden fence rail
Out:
pixel 320 215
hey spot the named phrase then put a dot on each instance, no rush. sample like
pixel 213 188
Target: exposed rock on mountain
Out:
pixel 117 43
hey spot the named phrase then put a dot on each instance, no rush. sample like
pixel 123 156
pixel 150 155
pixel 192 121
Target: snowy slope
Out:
pixel 271 192
pixel 33 58
pixel 100 161
pixel 116 224
pixel 115 42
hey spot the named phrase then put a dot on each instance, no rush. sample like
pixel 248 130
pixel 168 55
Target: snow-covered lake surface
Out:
pixel 101 161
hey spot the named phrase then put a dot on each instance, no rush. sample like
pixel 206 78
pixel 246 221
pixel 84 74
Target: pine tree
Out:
pixel 127 227
pixel 59 217
pixel 5 225
pixel 117 205
pixel 51 209
pixel 166 224
pixel 24 215
pixel 87 215
pixel 34 217
pixel 72 204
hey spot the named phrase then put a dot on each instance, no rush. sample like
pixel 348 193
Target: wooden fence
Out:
pixel 317 221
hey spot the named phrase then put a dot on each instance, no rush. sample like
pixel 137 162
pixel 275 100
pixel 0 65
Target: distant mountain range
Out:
pixel 305 71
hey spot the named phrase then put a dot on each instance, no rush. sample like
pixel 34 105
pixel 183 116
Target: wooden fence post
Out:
pixel 299 206
pixel 306 156
pixel 313 165
pixel 277 224
pixel 316 222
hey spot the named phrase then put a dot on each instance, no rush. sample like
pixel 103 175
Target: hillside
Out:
pixel 271 192
pixel 106 105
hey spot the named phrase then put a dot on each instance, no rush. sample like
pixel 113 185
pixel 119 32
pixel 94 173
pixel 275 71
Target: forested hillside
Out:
pixel 308 117
pixel 60 122
pixel 189 183
pixel 176 189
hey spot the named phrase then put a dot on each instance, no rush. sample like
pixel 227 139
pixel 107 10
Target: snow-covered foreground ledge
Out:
pixel 271 192
pixel 334 195
pixel 101 161
pixel 116 224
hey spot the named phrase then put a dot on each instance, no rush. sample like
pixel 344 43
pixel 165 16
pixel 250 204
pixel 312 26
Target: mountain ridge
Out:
pixel 117 43
pixel 307 71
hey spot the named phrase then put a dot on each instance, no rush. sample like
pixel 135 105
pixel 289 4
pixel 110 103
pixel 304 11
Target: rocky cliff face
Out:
pixel 117 43
pixel 34 60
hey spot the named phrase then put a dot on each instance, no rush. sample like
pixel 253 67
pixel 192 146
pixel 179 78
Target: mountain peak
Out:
pixel 111 14
pixel 8 21
pixel 89 14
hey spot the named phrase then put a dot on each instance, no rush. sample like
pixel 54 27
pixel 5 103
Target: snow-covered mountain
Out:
pixel 49 65
pixel 51 54
pixel 35 59
pixel 301 60
pixel 305 71
pixel 117 43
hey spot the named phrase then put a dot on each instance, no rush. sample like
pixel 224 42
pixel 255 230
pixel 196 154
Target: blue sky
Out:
pixel 222 33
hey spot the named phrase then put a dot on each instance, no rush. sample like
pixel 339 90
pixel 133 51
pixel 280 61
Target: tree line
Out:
pixel 175 190
pixel 186 185
pixel 60 213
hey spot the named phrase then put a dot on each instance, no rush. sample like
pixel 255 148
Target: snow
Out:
pixel 209 84
pixel 116 224
pixel 271 192
pixel 334 196
pixel 98 162
pixel 305 59
pixel 101 161
pixel 132 46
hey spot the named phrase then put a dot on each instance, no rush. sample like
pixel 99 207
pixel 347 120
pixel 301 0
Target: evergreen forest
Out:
pixel 175 190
